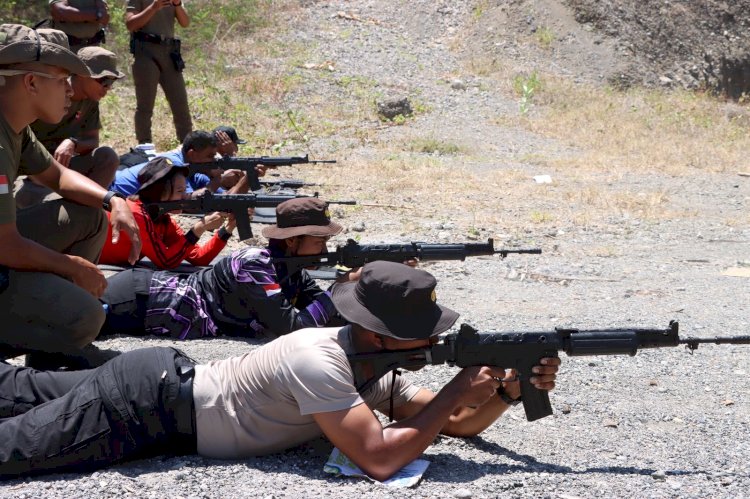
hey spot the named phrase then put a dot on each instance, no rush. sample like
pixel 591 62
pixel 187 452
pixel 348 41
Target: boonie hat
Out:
pixel 302 217
pixel 394 300
pixel 101 62
pixel 231 132
pixel 20 44
pixel 155 170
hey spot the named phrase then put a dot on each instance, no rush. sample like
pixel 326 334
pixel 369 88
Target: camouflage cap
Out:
pixel 20 44
pixel 101 62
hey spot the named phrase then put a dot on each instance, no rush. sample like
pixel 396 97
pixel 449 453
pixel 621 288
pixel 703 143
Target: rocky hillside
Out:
pixel 693 44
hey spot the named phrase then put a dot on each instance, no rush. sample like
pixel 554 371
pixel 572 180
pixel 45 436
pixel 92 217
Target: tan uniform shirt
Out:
pixel 262 402
pixel 83 116
pixel 79 30
pixel 161 24
pixel 20 154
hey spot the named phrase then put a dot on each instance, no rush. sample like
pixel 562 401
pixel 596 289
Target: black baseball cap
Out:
pixel 155 170
pixel 231 132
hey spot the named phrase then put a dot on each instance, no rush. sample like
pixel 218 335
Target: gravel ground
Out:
pixel 661 424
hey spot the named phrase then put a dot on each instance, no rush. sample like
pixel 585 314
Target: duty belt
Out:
pixel 142 36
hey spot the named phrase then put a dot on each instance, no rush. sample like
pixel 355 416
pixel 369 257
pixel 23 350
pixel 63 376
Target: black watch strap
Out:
pixel 506 398
pixel 108 197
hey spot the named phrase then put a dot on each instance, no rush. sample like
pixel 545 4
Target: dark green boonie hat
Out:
pixel 19 44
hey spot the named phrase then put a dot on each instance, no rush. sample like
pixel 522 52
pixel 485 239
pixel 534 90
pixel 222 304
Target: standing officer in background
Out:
pixel 74 141
pixel 158 61
pixel 82 20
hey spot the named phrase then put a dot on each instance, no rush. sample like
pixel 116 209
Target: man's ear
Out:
pixel 29 82
pixel 292 243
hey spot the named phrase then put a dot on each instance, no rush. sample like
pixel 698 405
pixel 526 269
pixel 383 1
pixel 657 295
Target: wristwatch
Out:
pixel 108 197
pixel 507 398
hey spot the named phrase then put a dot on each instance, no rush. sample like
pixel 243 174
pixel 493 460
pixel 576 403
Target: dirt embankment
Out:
pixel 692 44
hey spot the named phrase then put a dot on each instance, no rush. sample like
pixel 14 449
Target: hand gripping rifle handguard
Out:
pixel 522 351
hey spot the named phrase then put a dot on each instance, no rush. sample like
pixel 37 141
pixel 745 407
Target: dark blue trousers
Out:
pixel 138 404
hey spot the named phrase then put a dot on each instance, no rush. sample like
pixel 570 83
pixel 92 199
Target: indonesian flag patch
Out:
pixel 4 184
pixel 272 289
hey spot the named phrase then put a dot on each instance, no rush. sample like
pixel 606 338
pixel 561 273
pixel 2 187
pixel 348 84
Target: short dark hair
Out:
pixel 198 141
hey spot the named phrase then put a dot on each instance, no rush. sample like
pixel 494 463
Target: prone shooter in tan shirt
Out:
pixel 288 391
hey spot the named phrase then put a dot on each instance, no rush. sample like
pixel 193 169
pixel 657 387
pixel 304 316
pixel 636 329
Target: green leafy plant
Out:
pixel 526 87
pixel 545 36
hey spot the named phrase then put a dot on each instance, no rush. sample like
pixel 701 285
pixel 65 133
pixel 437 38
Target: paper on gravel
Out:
pixel 408 476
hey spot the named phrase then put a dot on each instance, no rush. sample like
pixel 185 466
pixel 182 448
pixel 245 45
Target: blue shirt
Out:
pixel 126 180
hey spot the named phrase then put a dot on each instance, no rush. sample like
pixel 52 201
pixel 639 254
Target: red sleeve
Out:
pixel 203 255
pixel 164 243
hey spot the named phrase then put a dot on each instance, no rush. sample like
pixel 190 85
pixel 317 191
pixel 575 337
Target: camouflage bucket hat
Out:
pixel 19 44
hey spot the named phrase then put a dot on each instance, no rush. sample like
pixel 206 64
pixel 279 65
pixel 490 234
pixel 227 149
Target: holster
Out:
pixel 176 55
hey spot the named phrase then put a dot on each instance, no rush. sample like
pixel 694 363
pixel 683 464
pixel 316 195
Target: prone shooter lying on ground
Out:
pixel 254 290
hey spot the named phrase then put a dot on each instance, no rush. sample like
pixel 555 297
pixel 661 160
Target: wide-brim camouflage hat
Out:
pixel 302 217
pixel 101 62
pixel 19 44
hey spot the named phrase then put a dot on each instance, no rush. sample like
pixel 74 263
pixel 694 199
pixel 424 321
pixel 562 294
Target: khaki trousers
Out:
pixel 45 312
pixel 153 67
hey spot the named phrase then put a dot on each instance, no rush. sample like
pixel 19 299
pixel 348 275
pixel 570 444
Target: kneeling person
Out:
pixel 49 283
pixel 74 140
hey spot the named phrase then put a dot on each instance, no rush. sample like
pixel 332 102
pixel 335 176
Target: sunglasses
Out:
pixel 106 82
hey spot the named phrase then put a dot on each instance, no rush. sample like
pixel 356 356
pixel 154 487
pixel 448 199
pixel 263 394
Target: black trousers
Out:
pixel 139 404
pixel 126 297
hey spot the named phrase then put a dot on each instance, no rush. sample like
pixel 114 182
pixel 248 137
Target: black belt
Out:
pixel 99 37
pixel 184 406
pixel 142 36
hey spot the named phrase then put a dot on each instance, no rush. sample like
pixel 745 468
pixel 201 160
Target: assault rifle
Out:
pixel 353 254
pixel 289 183
pixel 236 204
pixel 248 165
pixel 522 351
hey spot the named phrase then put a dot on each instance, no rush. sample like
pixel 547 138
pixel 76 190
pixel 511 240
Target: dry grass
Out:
pixel 675 133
